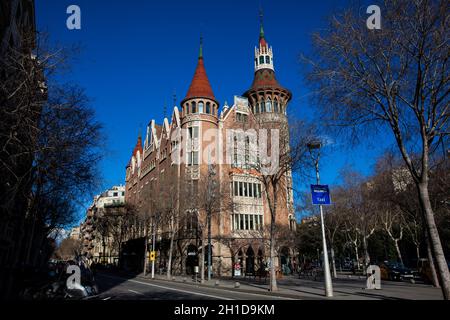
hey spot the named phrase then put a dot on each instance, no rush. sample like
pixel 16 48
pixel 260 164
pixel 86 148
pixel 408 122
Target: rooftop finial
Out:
pixel 261 22
pixel 200 55
pixel 174 97
pixel 165 109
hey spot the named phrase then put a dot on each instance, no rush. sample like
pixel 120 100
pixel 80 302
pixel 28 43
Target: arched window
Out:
pixel 200 107
pixel 261 60
pixel 269 106
pixel 267 59
pixel 257 108
pixel 192 221
pixel 275 106
pixel 208 108
pixel 194 107
pixel 262 107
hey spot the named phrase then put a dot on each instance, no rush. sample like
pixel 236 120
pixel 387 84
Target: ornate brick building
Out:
pixel 179 155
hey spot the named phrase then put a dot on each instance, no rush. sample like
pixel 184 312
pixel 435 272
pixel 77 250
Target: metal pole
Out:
pixel 326 265
pixel 209 247
pixel 153 249
pixel 146 249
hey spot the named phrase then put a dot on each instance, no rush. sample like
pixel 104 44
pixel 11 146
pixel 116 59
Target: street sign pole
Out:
pixel 153 249
pixel 326 265
pixel 327 274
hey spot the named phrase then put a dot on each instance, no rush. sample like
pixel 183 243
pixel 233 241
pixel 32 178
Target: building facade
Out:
pixel 103 221
pixel 176 160
pixel 75 233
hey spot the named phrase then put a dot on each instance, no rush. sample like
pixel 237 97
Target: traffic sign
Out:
pixel 152 255
pixel 320 194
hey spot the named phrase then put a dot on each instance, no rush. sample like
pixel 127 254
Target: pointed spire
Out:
pixel 138 146
pixel 200 86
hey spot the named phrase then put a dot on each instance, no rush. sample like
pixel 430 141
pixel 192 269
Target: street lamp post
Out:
pixel 153 246
pixel 146 247
pixel 209 247
pixel 326 265
pixel 210 202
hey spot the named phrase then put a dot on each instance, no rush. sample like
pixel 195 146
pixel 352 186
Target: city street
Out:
pixel 288 153
pixel 114 287
pixel 118 288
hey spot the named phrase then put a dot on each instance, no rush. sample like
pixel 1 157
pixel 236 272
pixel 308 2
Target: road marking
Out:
pixel 179 290
pixel 184 291
pixel 136 292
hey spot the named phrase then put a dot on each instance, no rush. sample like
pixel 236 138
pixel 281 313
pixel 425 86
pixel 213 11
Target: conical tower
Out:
pixel 268 100
pixel 199 112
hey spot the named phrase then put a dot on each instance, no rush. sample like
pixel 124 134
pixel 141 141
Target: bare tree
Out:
pixel 395 190
pixel 50 148
pixel 393 224
pixel 395 78
pixel 288 143
pixel 361 214
pixel 69 249
pixel 214 198
pixel 169 204
pixel 334 221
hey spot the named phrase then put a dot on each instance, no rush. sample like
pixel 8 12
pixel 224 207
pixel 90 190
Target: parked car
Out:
pixel 52 284
pixel 347 264
pixel 395 272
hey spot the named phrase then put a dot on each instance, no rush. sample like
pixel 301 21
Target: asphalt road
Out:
pixel 118 288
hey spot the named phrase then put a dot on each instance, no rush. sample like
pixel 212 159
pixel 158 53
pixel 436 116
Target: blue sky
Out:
pixel 137 53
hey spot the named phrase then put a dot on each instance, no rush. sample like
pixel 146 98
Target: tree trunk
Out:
pixel 209 247
pixel 202 260
pixel 434 278
pixel 273 277
pixel 333 262
pixel 397 249
pixel 418 252
pixel 435 241
pixel 366 252
pixel 357 255
pixel 145 250
pixel 169 266
pixel 182 258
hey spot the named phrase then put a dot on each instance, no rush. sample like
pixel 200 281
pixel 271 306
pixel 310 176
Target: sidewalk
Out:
pixel 288 287
pixel 291 287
